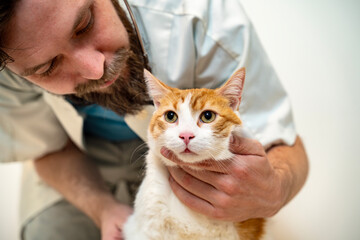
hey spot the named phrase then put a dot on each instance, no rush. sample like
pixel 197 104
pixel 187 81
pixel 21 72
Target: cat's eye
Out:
pixel 207 116
pixel 171 116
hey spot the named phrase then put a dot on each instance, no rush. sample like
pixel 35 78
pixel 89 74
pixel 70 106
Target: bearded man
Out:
pixel 74 108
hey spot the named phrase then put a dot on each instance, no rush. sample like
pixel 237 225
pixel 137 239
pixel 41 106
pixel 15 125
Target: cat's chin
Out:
pixel 189 159
pixel 194 165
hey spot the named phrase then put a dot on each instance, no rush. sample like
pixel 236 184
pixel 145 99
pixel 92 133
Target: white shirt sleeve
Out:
pixel 28 126
pixel 201 43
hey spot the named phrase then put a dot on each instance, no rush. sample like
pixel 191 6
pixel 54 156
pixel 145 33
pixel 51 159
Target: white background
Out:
pixel 315 48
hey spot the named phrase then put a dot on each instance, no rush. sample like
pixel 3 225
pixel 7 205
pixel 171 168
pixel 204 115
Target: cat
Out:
pixel 195 124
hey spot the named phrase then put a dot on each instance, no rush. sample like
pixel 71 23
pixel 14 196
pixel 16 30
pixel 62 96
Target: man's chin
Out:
pixel 95 91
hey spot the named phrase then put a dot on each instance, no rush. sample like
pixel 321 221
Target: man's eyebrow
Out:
pixel 81 14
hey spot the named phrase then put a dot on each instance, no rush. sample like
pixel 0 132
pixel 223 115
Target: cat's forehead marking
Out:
pixel 187 99
pixel 175 99
pixel 207 98
pixel 188 104
pixel 183 106
pixel 197 102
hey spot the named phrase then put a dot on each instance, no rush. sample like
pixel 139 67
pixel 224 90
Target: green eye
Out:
pixel 171 117
pixel 207 116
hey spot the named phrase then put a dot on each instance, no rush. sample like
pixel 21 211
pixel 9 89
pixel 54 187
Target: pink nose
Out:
pixel 186 137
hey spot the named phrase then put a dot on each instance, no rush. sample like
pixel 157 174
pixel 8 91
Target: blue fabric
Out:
pixel 104 123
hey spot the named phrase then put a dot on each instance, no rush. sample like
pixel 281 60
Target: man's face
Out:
pixel 79 47
pixel 61 44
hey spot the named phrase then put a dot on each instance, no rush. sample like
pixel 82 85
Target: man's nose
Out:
pixel 89 63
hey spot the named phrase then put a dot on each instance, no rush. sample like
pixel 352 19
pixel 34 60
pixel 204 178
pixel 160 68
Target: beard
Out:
pixel 128 94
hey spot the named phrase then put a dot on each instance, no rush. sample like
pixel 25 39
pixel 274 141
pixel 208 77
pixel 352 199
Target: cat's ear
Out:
pixel 156 89
pixel 232 89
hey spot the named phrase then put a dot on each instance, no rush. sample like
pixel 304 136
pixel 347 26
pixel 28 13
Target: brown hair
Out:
pixel 125 95
pixel 7 9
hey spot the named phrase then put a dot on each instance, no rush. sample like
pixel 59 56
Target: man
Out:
pixel 61 56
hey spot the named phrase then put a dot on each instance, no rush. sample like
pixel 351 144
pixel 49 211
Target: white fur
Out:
pixel 205 145
pixel 159 215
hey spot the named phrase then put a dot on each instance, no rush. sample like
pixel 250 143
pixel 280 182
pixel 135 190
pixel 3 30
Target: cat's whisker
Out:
pixel 144 144
pixel 212 156
pixel 221 165
pixel 140 158
pixel 237 163
pixel 138 148
pixel 224 166
pixel 209 144
pixel 142 169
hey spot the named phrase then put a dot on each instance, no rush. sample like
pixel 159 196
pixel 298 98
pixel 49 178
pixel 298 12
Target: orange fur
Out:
pixel 252 229
pixel 202 100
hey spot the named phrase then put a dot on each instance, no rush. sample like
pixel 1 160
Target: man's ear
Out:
pixel 233 88
pixel 156 88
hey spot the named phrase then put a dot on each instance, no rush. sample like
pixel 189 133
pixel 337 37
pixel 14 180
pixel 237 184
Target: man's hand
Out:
pixel 249 185
pixel 71 173
pixel 112 220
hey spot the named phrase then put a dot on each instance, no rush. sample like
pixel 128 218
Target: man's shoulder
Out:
pixel 11 81
pixel 179 7
pixel 16 91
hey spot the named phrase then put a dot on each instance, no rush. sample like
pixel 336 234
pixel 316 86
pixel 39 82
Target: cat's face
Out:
pixel 195 124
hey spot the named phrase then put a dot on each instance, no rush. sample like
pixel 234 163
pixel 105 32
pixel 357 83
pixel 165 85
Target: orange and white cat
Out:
pixel 196 125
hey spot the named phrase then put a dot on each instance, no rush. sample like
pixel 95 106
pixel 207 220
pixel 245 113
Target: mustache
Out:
pixel 111 70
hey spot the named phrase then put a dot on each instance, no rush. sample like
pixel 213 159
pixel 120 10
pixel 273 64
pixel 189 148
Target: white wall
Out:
pixel 9 200
pixel 314 46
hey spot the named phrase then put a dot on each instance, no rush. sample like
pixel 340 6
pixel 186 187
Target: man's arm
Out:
pixel 292 162
pixel 253 184
pixel 73 175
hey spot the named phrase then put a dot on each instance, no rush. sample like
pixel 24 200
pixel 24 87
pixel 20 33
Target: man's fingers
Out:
pixel 193 185
pixel 222 182
pixel 169 155
pixel 210 165
pixel 190 200
pixel 246 146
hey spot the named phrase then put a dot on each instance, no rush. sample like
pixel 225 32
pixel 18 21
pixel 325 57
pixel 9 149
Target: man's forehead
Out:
pixel 38 24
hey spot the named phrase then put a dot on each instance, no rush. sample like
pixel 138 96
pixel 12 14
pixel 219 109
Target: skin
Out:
pixel 79 181
pixel 81 55
pixel 254 184
pixel 257 183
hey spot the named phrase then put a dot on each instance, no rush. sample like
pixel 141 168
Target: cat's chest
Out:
pixel 162 212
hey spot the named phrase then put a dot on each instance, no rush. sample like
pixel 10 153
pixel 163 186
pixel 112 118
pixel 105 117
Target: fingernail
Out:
pixel 164 151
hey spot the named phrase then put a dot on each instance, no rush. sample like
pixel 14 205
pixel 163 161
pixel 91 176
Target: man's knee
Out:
pixel 61 221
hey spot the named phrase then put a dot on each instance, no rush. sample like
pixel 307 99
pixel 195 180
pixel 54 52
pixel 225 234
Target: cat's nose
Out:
pixel 186 137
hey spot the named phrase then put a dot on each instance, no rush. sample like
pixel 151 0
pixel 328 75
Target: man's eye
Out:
pixel 50 69
pixel 89 25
